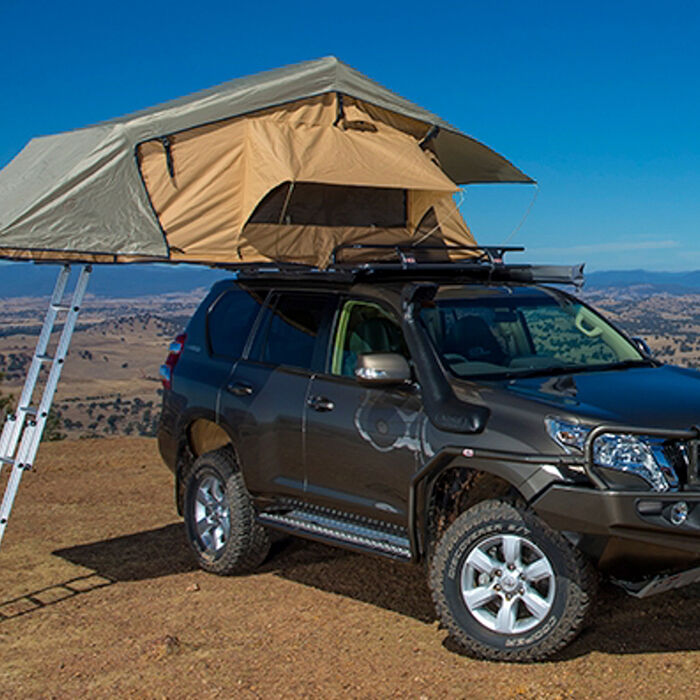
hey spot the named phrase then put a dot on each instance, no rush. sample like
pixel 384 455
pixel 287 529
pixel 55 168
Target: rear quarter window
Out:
pixel 230 320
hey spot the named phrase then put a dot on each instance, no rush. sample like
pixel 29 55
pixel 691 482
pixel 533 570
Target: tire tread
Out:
pixel 249 542
pixel 583 583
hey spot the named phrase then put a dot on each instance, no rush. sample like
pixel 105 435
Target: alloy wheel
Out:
pixel 212 515
pixel 508 584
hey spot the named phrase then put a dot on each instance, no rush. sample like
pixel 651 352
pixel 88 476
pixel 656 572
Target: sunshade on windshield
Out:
pixel 280 166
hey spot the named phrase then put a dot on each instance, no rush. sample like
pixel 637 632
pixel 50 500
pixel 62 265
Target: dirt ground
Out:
pixel 99 598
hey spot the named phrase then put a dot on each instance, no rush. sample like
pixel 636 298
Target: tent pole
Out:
pixel 286 202
pixel 27 433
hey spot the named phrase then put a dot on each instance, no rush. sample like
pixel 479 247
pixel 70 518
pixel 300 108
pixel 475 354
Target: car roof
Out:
pixel 389 290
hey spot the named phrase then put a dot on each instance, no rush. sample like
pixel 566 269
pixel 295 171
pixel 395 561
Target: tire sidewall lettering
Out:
pixel 452 586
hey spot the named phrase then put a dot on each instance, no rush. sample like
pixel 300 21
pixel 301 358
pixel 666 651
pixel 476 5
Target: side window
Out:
pixel 230 321
pixel 364 327
pixel 288 333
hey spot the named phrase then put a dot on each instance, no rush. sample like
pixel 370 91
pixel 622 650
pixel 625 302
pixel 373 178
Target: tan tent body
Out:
pixel 282 166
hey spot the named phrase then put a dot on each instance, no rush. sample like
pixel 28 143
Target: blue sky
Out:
pixel 597 101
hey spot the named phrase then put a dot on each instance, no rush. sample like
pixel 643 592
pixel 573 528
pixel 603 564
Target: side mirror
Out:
pixel 642 346
pixel 382 368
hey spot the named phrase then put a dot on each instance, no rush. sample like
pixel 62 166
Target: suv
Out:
pixel 465 417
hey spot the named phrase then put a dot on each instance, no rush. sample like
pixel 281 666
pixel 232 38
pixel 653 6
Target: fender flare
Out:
pixel 184 449
pixel 511 467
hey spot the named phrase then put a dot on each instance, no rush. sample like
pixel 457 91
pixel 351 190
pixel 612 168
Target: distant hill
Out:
pixel 652 282
pixel 28 279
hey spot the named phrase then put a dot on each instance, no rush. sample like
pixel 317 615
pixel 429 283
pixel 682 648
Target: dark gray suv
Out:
pixel 462 417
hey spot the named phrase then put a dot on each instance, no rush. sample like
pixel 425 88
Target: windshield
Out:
pixel 518 332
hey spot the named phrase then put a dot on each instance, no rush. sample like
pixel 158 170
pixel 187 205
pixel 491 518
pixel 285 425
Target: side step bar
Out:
pixel 347 531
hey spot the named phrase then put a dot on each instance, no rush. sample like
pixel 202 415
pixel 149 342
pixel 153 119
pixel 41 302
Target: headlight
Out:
pixel 638 455
pixel 635 455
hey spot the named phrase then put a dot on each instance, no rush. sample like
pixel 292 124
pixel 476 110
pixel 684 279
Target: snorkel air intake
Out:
pixel 444 410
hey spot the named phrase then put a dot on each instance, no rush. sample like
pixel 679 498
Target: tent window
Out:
pixel 315 204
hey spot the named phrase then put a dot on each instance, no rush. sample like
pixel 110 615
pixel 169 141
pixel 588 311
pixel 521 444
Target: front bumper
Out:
pixel 642 516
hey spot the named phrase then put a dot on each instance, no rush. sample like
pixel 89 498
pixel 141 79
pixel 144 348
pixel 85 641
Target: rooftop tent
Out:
pixel 282 166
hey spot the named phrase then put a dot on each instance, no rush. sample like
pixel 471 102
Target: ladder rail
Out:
pixel 14 424
pixel 33 431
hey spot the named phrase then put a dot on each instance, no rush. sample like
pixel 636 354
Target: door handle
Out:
pixel 240 389
pixel 320 403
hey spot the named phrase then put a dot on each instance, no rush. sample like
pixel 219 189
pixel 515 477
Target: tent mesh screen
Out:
pixel 314 204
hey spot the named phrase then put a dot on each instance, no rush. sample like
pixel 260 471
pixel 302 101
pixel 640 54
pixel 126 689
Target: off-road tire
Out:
pixel 575 584
pixel 248 543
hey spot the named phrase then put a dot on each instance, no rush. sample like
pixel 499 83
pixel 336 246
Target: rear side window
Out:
pixel 230 321
pixel 289 332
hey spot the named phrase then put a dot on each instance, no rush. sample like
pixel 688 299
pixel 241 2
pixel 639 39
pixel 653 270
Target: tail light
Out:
pixel 174 352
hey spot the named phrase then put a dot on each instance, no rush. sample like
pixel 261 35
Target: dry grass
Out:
pixel 99 598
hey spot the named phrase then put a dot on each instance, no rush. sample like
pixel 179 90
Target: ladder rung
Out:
pixel 28 439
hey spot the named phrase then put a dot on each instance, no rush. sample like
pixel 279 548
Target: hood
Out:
pixel 660 397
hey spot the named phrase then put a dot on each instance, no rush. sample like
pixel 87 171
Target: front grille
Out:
pixel 691 449
pixel 680 455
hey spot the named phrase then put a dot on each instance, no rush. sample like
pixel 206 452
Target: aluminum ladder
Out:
pixel 22 430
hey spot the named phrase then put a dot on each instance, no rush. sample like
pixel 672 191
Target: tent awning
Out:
pixel 182 181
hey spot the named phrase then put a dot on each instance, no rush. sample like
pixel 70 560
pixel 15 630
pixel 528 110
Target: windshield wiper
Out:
pixel 543 371
pixel 628 364
pixel 574 369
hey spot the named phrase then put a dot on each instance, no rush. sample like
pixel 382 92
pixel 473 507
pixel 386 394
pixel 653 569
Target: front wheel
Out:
pixel 508 587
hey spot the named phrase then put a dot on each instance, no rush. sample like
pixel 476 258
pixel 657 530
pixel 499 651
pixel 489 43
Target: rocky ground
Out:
pixel 99 598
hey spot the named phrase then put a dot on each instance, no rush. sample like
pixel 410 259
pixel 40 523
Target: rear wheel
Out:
pixel 219 517
pixel 507 586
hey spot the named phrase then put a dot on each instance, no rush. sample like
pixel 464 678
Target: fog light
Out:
pixel 679 513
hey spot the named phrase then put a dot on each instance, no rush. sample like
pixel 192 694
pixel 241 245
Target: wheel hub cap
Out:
pixel 508 584
pixel 211 514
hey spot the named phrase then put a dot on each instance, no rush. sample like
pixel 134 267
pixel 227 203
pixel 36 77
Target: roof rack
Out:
pixel 405 261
